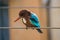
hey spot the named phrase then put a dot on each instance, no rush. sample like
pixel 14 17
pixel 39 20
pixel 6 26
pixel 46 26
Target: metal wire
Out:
pixel 27 7
pixel 29 28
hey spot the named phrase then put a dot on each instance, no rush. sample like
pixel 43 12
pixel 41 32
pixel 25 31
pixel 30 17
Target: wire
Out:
pixel 27 7
pixel 29 28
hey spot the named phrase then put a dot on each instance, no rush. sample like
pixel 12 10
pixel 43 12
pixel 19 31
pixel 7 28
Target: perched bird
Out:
pixel 30 19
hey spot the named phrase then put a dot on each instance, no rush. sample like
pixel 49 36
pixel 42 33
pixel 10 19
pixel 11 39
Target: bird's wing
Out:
pixel 34 21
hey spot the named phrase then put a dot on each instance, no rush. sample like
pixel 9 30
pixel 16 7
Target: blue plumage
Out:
pixel 34 21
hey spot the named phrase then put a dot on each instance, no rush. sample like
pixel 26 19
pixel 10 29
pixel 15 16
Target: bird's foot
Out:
pixel 26 28
pixel 33 28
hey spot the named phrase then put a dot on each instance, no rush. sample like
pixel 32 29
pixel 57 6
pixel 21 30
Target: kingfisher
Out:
pixel 30 19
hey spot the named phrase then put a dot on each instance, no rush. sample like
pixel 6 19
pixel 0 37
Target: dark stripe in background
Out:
pixel 4 20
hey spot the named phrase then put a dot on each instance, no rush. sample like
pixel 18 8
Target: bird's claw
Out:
pixel 33 28
pixel 26 28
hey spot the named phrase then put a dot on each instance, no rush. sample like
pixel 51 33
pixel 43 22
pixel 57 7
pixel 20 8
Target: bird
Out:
pixel 33 22
pixel 30 19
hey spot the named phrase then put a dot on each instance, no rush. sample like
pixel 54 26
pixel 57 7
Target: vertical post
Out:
pixel 55 19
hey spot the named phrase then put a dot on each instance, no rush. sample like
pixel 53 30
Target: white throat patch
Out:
pixel 23 20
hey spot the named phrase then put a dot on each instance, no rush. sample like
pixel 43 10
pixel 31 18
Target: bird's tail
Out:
pixel 40 31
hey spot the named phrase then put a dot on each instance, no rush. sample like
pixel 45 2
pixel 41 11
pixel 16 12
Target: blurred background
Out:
pixel 48 12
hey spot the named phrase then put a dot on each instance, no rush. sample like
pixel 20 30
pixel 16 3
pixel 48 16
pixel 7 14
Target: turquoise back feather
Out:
pixel 34 20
